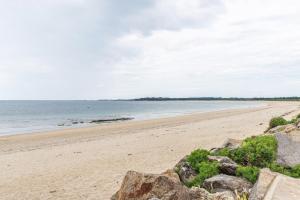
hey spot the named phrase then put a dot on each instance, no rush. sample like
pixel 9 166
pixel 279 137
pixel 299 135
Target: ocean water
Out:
pixel 33 116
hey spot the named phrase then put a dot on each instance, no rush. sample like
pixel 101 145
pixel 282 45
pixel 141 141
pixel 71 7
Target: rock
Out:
pixel 276 129
pixel 226 165
pixel 283 129
pixel 232 143
pixel 298 125
pixel 284 188
pixel 288 151
pixel 262 185
pixel 201 194
pixel 139 186
pixel 185 171
pixel 229 143
pixel 166 186
pixel 111 120
pixel 289 128
pixel 224 182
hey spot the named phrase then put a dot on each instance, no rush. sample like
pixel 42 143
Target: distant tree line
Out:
pixel 218 99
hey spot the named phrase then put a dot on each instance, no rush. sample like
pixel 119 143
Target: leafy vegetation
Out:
pixel 248 172
pixel 277 121
pixel 275 167
pixel 206 170
pixel 197 157
pixel 223 152
pixel 254 153
pixel 295 171
pixel 289 171
pixel 257 151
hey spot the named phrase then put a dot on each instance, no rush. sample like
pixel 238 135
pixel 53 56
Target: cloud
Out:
pixel 74 49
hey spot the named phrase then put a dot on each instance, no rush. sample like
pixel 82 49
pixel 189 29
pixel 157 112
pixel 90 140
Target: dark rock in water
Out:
pixel 111 120
pixel 226 165
pixel 185 171
pixel 224 182
pixel 288 150
pixel 75 122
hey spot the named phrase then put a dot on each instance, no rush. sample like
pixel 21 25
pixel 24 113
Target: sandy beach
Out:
pixel 89 163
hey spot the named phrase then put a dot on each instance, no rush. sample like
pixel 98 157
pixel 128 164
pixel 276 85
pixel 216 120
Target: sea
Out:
pixel 20 117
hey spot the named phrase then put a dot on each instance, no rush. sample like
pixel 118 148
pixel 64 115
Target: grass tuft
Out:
pixel 250 173
pixel 277 121
pixel 206 170
pixel 197 157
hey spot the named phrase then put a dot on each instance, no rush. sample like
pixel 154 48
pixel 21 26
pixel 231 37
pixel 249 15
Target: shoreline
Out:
pixel 89 122
pixel 89 163
pixel 74 134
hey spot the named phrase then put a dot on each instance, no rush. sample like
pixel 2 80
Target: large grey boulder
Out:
pixel 288 151
pixel 185 171
pixel 262 185
pixel 275 186
pixel 224 182
pixel 202 194
pixel 226 165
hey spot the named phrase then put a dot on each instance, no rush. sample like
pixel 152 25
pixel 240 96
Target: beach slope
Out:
pixel 89 163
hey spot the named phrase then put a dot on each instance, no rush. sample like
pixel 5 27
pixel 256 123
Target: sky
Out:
pixel 111 49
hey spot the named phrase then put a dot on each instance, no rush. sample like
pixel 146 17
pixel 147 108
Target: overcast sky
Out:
pixel 102 49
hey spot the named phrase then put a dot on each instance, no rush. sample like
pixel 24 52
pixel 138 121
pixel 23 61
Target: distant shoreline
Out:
pixel 43 116
pixel 216 99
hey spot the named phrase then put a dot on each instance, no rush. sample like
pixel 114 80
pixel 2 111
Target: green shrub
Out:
pixel 295 171
pixel 277 121
pixel 206 170
pixel 293 121
pixel 275 167
pixel 248 172
pixel 257 151
pixel 223 152
pixel 298 116
pixel 197 157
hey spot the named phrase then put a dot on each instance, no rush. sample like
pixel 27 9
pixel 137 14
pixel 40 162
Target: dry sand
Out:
pixel 89 163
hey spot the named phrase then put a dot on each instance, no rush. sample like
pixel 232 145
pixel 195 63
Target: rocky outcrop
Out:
pixel 277 129
pixel 226 165
pixel 185 171
pixel 262 185
pixel 223 182
pixel 288 151
pixel 166 186
pixel 111 120
pixel 283 129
